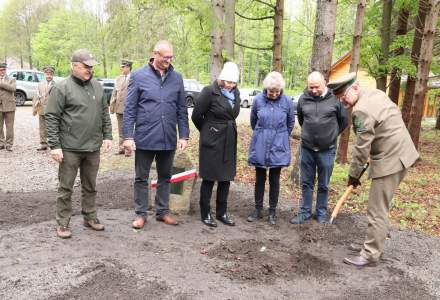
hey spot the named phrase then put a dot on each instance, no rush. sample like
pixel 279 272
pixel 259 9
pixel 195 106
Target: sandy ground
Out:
pixel 190 261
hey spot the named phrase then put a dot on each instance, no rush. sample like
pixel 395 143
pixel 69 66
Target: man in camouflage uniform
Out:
pixel 40 102
pixel 118 98
pixel 7 108
pixel 381 138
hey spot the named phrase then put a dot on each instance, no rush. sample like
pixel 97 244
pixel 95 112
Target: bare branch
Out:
pixel 255 19
pixel 265 3
pixel 255 48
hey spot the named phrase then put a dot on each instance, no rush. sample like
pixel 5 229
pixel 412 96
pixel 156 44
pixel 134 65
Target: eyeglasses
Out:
pixel 170 57
pixel 342 97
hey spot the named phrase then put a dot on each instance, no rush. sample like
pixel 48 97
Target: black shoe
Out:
pixel 255 215
pixel 299 219
pixel 2 147
pixel 272 219
pixel 209 221
pixel 42 148
pixel 322 219
pixel 226 219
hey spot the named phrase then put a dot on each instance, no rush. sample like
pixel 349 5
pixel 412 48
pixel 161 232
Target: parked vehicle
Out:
pixel 192 91
pixel 108 86
pixel 27 84
pixel 247 96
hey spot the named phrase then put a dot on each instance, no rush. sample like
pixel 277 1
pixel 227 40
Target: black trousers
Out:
pixel 205 197
pixel 274 187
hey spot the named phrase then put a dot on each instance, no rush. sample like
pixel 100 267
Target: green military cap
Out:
pixel 83 56
pixel 340 84
pixel 126 62
pixel 49 69
pixel 3 65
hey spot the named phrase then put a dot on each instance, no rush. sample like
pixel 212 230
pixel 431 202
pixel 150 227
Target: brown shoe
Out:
pixel 2 147
pixel 42 148
pixel 9 148
pixel 138 223
pixel 94 224
pixel 167 219
pixel 359 261
pixel 64 232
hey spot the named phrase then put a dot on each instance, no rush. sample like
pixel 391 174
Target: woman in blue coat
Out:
pixel 272 120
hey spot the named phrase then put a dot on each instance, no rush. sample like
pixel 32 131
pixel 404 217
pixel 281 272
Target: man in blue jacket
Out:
pixel 322 118
pixel 155 105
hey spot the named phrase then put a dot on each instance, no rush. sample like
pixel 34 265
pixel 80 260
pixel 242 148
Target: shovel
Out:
pixel 344 197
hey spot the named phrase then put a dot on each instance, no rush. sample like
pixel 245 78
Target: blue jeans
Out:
pixel 312 162
pixel 164 162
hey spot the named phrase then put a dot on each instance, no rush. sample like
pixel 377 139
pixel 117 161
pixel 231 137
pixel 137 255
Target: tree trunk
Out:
pixel 437 123
pixel 217 38
pixel 415 53
pixel 423 70
pixel 324 36
pixel 381 80
pixel 229 37
pixel 402 29
pixel 277 63
pixel 354 65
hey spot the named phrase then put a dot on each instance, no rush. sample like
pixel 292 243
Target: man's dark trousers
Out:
pixel 164 163
pixel 88 165
pixel 311 162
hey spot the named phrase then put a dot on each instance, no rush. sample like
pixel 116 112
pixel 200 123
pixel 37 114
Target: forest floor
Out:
pixel 192 261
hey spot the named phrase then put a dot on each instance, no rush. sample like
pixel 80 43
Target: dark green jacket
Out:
pixel 77 116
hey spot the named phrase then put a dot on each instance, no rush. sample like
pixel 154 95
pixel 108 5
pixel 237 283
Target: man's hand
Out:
pixel 107 145
pixel 353 181
pixel 57 155
pixel 181 144
pixel 129 147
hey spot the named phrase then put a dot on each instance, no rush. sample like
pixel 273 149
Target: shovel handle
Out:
pixel 341 202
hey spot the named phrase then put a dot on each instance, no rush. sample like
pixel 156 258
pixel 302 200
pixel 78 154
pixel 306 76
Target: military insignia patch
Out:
pixel 358 124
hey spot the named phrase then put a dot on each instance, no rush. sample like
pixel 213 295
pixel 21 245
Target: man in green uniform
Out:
pixel 381 138
pixel 39 104
pixel 7 108
pixel 78 123
pixel 118 98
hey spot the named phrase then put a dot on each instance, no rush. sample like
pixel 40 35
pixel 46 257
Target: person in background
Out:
pixel 117 101
pixel 155 106
pixel 322 118
pixel 40 102
pixel 78 124
pixel 272 121
pixel 214 114
pixel 383 140
pixel 7 108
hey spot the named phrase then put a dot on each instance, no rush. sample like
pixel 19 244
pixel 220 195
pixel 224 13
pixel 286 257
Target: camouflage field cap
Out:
pixel 49 69
pixel 340 84
pixel 126 62
pixel 83 56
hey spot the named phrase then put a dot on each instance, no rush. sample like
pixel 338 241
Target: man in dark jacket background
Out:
pixel 78 123
pixel 155 105
pixel 322 118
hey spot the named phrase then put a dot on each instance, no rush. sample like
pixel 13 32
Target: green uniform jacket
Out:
pixel 381 136
pixel 77 116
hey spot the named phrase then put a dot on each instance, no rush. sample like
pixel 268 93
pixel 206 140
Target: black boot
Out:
pixel 272 219
pixel 255 215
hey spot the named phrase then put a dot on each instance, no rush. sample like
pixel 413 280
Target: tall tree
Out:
pixel 218 10
pixel 402 29
pixel 324 36
pixel 229 37
pixel 381 81
pixel 354 65
pixel 423 70
pixel 415 53
pixel 277 63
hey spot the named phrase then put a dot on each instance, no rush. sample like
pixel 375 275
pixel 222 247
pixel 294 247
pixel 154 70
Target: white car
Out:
pixel 247 96
pixel 27 84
